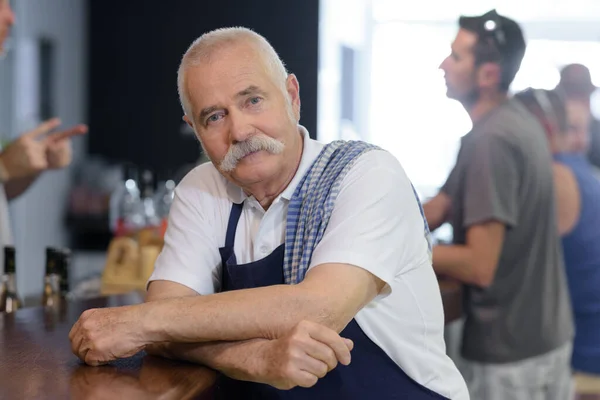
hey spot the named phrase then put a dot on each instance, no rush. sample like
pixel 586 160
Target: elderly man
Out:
pixel 284 256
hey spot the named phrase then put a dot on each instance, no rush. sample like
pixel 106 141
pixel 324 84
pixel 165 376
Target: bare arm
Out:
pixel 568 201
pixel 16 187
pixel 436 210
pixel 476 262
pixel 235 359
pixel 267 312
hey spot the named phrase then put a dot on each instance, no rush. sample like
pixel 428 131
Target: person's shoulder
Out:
pixel 380 167
pixel 378 159
pixel 562 173
pixel 511 125
pixel 507 117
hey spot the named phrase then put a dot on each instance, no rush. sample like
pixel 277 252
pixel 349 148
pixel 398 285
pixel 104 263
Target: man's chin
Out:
pixel 451 94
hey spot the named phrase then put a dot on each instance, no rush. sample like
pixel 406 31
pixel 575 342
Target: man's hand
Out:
pixel 106 334
pixel 38 150
pixel 436 210
pixel 58 151
pixel 301 357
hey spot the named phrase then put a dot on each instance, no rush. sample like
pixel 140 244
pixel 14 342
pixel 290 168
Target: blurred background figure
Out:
pixel 577 191
pixel 25 158
pixel 577 88
pixel 498 196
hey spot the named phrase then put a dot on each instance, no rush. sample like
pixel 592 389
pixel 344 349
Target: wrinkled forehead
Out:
pixel 226 72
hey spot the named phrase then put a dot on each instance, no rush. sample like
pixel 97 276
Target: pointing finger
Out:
pixel 43 128
pixel 74 131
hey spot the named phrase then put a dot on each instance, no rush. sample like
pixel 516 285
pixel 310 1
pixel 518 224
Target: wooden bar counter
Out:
pixel 36 361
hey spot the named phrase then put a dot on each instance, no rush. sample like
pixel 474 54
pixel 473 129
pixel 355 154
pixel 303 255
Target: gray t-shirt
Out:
pixel 503 172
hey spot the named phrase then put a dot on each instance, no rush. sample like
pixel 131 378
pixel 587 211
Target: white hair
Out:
pixel 203 47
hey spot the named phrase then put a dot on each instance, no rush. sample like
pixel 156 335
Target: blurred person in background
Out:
pixel 578 214
pixel 499 199
pixel 577 87
pixel 24 159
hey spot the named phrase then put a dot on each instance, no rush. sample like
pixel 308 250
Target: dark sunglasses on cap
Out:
pixel 492 27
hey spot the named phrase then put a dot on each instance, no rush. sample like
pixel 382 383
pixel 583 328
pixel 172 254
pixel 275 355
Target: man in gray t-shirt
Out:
pixel 499 200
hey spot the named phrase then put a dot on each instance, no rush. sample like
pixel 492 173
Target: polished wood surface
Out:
pixel 36 362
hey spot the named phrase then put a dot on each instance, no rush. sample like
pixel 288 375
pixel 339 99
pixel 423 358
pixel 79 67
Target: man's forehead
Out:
pixel 464 41
pixel 209 82
pixel 228 65
pixel 216 87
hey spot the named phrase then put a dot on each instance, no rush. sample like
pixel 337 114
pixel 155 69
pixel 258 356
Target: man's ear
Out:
pixel 489 75
pixel 188 121
pixel 293 90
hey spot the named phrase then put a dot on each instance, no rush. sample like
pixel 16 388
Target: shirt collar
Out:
pixel 310 151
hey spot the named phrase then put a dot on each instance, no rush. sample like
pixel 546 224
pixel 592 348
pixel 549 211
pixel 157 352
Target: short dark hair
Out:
pixel 499 40
pixel 545 104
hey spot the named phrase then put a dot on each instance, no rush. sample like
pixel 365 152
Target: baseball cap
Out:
pixel 575 79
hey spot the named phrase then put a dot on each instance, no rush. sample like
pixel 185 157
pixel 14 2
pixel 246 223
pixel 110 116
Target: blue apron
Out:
pixel 370 375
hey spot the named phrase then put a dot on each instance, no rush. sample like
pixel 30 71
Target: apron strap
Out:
pixel 234 217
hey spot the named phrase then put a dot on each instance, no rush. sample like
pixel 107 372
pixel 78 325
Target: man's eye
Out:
pixel 214 118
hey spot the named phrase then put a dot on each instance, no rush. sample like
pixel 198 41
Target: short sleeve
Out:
pixel 492 182
pixel 449 187
pixel 376 222
pixel 452 184
pixel 190 255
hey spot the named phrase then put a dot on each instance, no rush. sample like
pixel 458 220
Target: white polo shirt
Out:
pixel 376 225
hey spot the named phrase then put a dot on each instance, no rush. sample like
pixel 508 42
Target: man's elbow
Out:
pixel 335 320
pixel 335 316
pixel 326 312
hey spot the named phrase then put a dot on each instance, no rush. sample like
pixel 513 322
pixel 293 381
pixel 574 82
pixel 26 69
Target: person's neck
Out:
pixel 484 105
pixel 266 192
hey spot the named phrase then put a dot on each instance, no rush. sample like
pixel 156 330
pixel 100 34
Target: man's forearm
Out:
pixel 267 313
pixel 455 262
pixel 436 210
pixel 238 360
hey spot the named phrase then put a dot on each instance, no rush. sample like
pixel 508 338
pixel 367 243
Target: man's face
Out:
pixel 246 121
pixel 459 68
pixel 7 19
pixel 578 117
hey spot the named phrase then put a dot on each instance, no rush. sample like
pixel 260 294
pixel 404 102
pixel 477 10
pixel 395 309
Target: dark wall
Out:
pixel 135 49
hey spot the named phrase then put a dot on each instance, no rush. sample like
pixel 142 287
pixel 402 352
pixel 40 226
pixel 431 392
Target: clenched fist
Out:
pixel 303 356
pixel 106 334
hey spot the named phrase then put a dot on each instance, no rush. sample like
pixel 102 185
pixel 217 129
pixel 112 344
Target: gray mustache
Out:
pixel 253 144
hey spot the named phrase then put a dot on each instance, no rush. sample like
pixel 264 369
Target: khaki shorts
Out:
pixel 544 377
